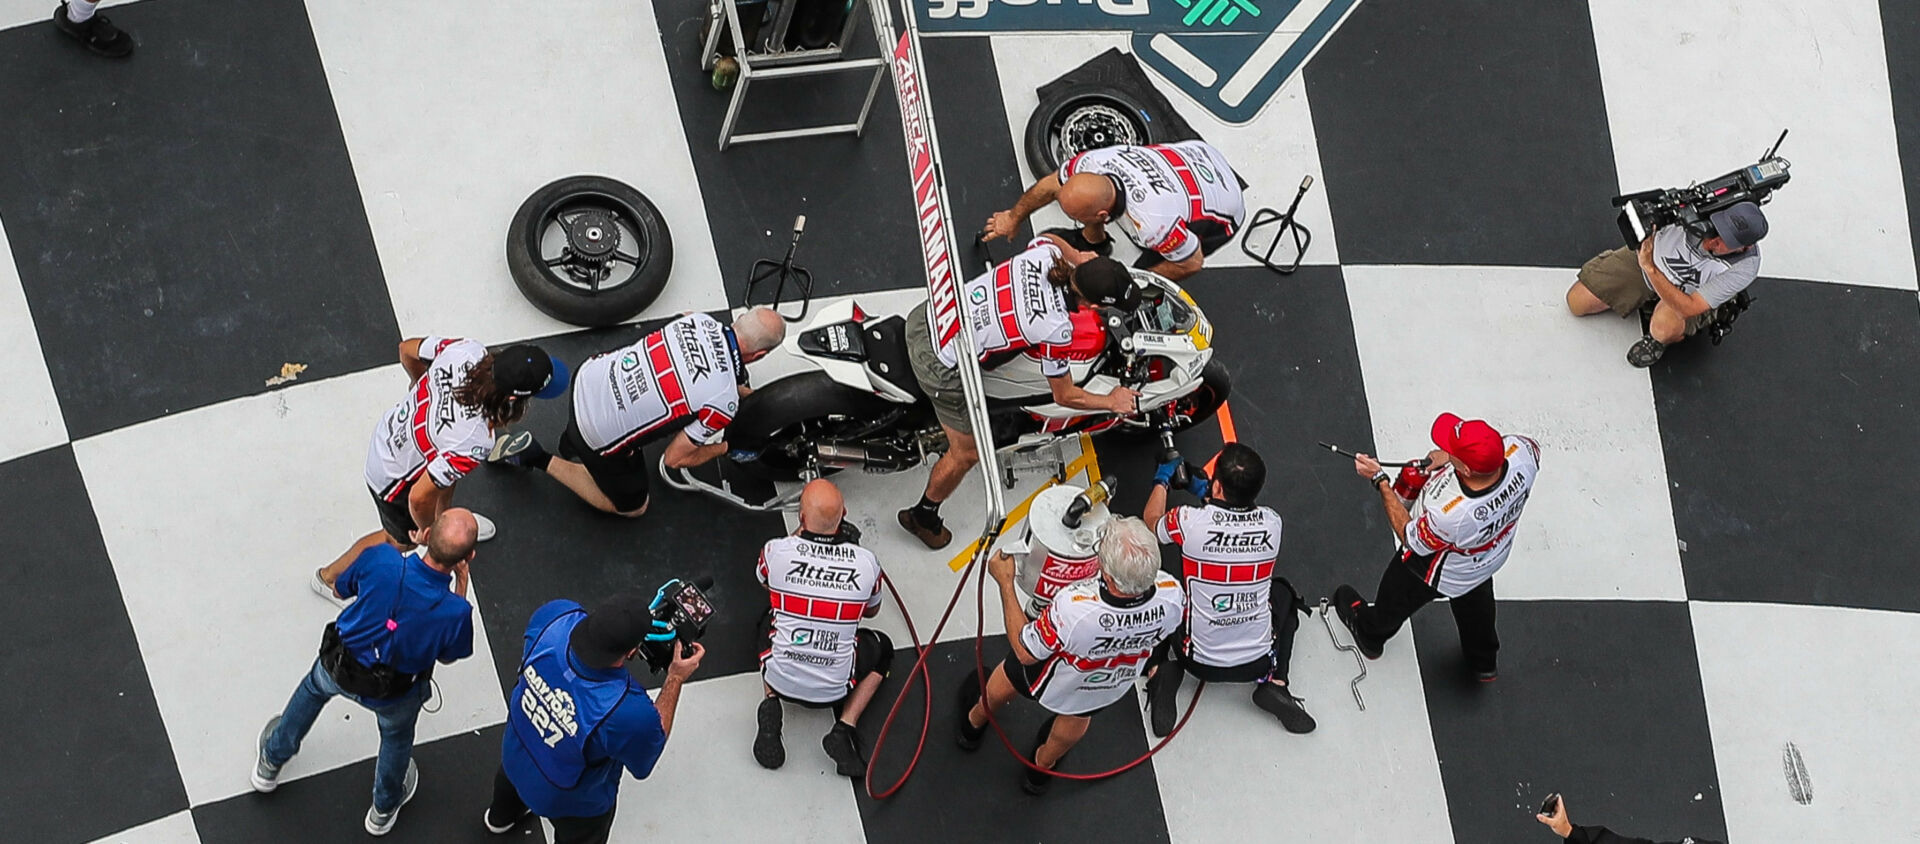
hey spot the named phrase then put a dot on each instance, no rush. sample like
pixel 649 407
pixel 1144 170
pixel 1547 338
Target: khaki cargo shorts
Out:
pixel 1614 277
pixel 939 381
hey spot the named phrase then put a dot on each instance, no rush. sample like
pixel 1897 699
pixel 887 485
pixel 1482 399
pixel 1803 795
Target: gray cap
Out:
pixel 1739 225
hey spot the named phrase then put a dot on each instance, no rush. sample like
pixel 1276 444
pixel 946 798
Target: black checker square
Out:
pixel 1474 133
pixel 185 223
pixel 1817 383
pixel 81 713
pixel 1900 25
pixel 956 796
pixel 1620 729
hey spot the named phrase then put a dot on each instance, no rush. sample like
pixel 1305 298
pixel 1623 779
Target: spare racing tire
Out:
pixel 1087 116
pixel 589 250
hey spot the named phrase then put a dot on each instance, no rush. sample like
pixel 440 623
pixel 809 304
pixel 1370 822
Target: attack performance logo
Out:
pixel 1230 56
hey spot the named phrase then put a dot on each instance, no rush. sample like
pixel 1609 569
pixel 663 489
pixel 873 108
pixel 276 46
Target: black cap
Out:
pixel 1106 283
pixel 1739 225
pixel 612 630
pixel 524 370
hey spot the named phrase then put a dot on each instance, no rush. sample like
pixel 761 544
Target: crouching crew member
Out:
pixel 684 381
pixel 577 717
pixel 1084 651
pixel 821 583
pixel 1459 532
pixel 1240 618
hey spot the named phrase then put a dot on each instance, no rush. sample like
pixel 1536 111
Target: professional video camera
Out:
pixel 680 612
pixel 1692 206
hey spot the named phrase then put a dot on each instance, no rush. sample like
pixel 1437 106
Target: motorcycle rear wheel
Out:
pixel 774 419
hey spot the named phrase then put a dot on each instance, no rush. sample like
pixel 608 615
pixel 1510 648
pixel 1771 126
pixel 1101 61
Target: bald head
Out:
pixel 450 540
pixel 821 507
pixel 759 331
pixel 1086 197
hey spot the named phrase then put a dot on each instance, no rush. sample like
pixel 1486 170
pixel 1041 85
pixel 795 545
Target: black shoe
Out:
pixel 1486 675
pixel 1280 702
pixel 1646 353
pixel 969 736
pixel 934 536
pixel 518 449
pixel 1077 238
pixel 1163 697
pixel 98 33
pixel 767 749
pixel 498 828
pixel 1035 782
pixel 1346 603
pixel 843 746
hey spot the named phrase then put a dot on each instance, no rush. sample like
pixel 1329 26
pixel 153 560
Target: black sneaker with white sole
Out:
pixel 1279 702
pixel 1346 604
pixel 767 748
pixel 842 744
pixel 499 827
pixel 98 33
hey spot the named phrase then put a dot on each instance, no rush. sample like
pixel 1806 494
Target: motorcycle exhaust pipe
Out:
pixel 831 456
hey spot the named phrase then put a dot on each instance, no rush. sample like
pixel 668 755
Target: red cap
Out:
pixel 1472 442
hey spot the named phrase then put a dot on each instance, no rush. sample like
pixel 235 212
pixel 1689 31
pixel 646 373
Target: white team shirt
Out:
pixel 429 431
pixel 820 591
pixel 1016 310
pixel 1470 536
pixel 1167 187
pixel 1227 556
pixel 1090 650
pixel 687 373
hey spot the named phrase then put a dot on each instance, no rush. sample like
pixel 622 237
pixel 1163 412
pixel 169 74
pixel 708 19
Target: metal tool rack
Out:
pixel 778 62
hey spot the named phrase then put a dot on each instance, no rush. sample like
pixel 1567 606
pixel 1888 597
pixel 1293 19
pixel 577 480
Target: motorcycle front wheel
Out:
pixel 1195 407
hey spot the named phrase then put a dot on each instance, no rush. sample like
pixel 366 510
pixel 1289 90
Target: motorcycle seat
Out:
pixel 886 342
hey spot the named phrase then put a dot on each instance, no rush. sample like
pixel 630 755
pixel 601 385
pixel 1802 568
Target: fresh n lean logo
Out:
pixel 1230 56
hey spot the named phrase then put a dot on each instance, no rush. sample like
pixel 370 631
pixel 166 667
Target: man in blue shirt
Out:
pixel 577 717
pixel 411 612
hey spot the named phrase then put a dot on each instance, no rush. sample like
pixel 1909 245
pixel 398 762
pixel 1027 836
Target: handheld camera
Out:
pixel 680 613
pixel 1692 206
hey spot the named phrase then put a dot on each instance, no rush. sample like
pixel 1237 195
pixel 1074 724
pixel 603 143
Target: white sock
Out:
pixel 80 11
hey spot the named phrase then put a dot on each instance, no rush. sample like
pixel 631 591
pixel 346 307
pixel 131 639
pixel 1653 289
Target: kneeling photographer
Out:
pixel 1685 276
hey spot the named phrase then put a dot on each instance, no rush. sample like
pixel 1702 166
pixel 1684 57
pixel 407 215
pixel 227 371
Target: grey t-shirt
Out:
pixel 1678 254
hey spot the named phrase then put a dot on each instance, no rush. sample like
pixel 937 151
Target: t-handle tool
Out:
pixel 1326 608
pixel 1286 225
pixel 782 271
pixel 1421 463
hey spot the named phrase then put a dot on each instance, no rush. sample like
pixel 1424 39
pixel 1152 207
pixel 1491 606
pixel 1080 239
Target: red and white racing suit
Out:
pixel 820 591
pixel 1164 189
pixel 688 373
pixel 1090 649
pixel 1227 556
pixel 1469 537
pixel 428 431
pixel 1016 311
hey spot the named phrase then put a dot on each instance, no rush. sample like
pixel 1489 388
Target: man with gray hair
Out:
pixel 684 381
pixel 1083 652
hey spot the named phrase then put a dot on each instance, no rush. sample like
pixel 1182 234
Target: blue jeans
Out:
pixel 397 718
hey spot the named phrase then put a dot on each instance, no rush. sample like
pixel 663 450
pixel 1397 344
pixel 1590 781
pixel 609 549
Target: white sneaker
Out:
pixel 321 588
pixel 487 530
pixel 381 823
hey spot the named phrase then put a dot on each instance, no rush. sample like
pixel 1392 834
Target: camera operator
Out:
pixel 576 717
pixel 1561 826
pixel 821 583
pixel 1459 532
pixel 1083 652
pixel 1684 275
pixel 1240 617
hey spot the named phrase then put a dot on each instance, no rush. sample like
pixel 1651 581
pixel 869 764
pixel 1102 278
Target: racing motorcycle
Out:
pixel 857 404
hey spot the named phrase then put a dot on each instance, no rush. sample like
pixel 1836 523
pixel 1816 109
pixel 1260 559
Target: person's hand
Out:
pixel 686 660
pixel 1557 821
pixel 1198 483
pixel 1164 475
pixel 1437 458
pixel 1000 568
pixel 461 574
pixel 1001 224
pixel 1366 466
pixel 1123 401
pixel 417 536
pixel 1646 248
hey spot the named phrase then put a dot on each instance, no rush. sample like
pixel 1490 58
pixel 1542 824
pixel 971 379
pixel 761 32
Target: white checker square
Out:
pixel 217 591
pixel 1697 89
pixel 176 828
pixel 30 418
pixel 1499 344
pixel 452 125
pixel 1838 685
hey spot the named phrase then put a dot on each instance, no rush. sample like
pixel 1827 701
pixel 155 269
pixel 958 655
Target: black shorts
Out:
pixel 1213 236
pixel 395 518
pixel 624 477
pixel 872 654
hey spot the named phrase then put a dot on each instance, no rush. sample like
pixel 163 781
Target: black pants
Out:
pixel 1403 592
pixel 1212 233
pixel 507 804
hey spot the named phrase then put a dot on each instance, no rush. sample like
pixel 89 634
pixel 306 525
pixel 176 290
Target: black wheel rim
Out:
pixel 1092 124
pixel 590 242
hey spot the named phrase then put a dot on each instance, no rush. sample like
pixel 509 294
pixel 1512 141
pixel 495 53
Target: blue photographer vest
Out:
pixel 554 710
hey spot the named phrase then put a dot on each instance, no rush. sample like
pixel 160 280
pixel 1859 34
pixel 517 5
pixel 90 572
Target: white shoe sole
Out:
pixel 321 588
pixel 263 785
pixel 486 531
pixel 486 820
pixel 413 785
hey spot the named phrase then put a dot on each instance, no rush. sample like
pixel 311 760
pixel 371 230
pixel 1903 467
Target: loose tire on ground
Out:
pixel 556 294
pixel 1087 105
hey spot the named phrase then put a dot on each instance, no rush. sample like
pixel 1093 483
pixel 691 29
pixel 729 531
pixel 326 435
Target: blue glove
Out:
pixel 742 455
pixel 1164 476
pixel 1198 483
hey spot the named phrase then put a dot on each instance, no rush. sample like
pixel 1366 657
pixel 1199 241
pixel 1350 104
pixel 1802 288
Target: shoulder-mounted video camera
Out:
pixel 1692 206
pixel 680 612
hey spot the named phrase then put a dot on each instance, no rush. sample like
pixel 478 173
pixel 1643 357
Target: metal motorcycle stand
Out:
pixel 771 58
pixel 1325 609
pixel 780 272
pixel 1286 226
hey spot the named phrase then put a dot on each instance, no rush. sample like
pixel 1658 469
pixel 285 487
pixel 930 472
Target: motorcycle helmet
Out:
pixel 1106 283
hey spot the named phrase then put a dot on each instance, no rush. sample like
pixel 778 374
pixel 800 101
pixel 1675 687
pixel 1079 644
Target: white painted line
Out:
pixel 1186 61
pixel 1270 51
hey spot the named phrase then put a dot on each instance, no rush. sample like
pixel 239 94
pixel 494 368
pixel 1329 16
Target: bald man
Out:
pixel 1177 202
pixel 380 653
pixel 821 584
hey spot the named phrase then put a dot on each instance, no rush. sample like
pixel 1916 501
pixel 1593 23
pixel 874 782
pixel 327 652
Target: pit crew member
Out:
pixel 1459 532
pixel 682 382
pixel 461 394
pixel 821 583
pixel 1020 307
pixel 1686 277
pixel 1240 617
pixel 1178 202
pixel 1083 652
